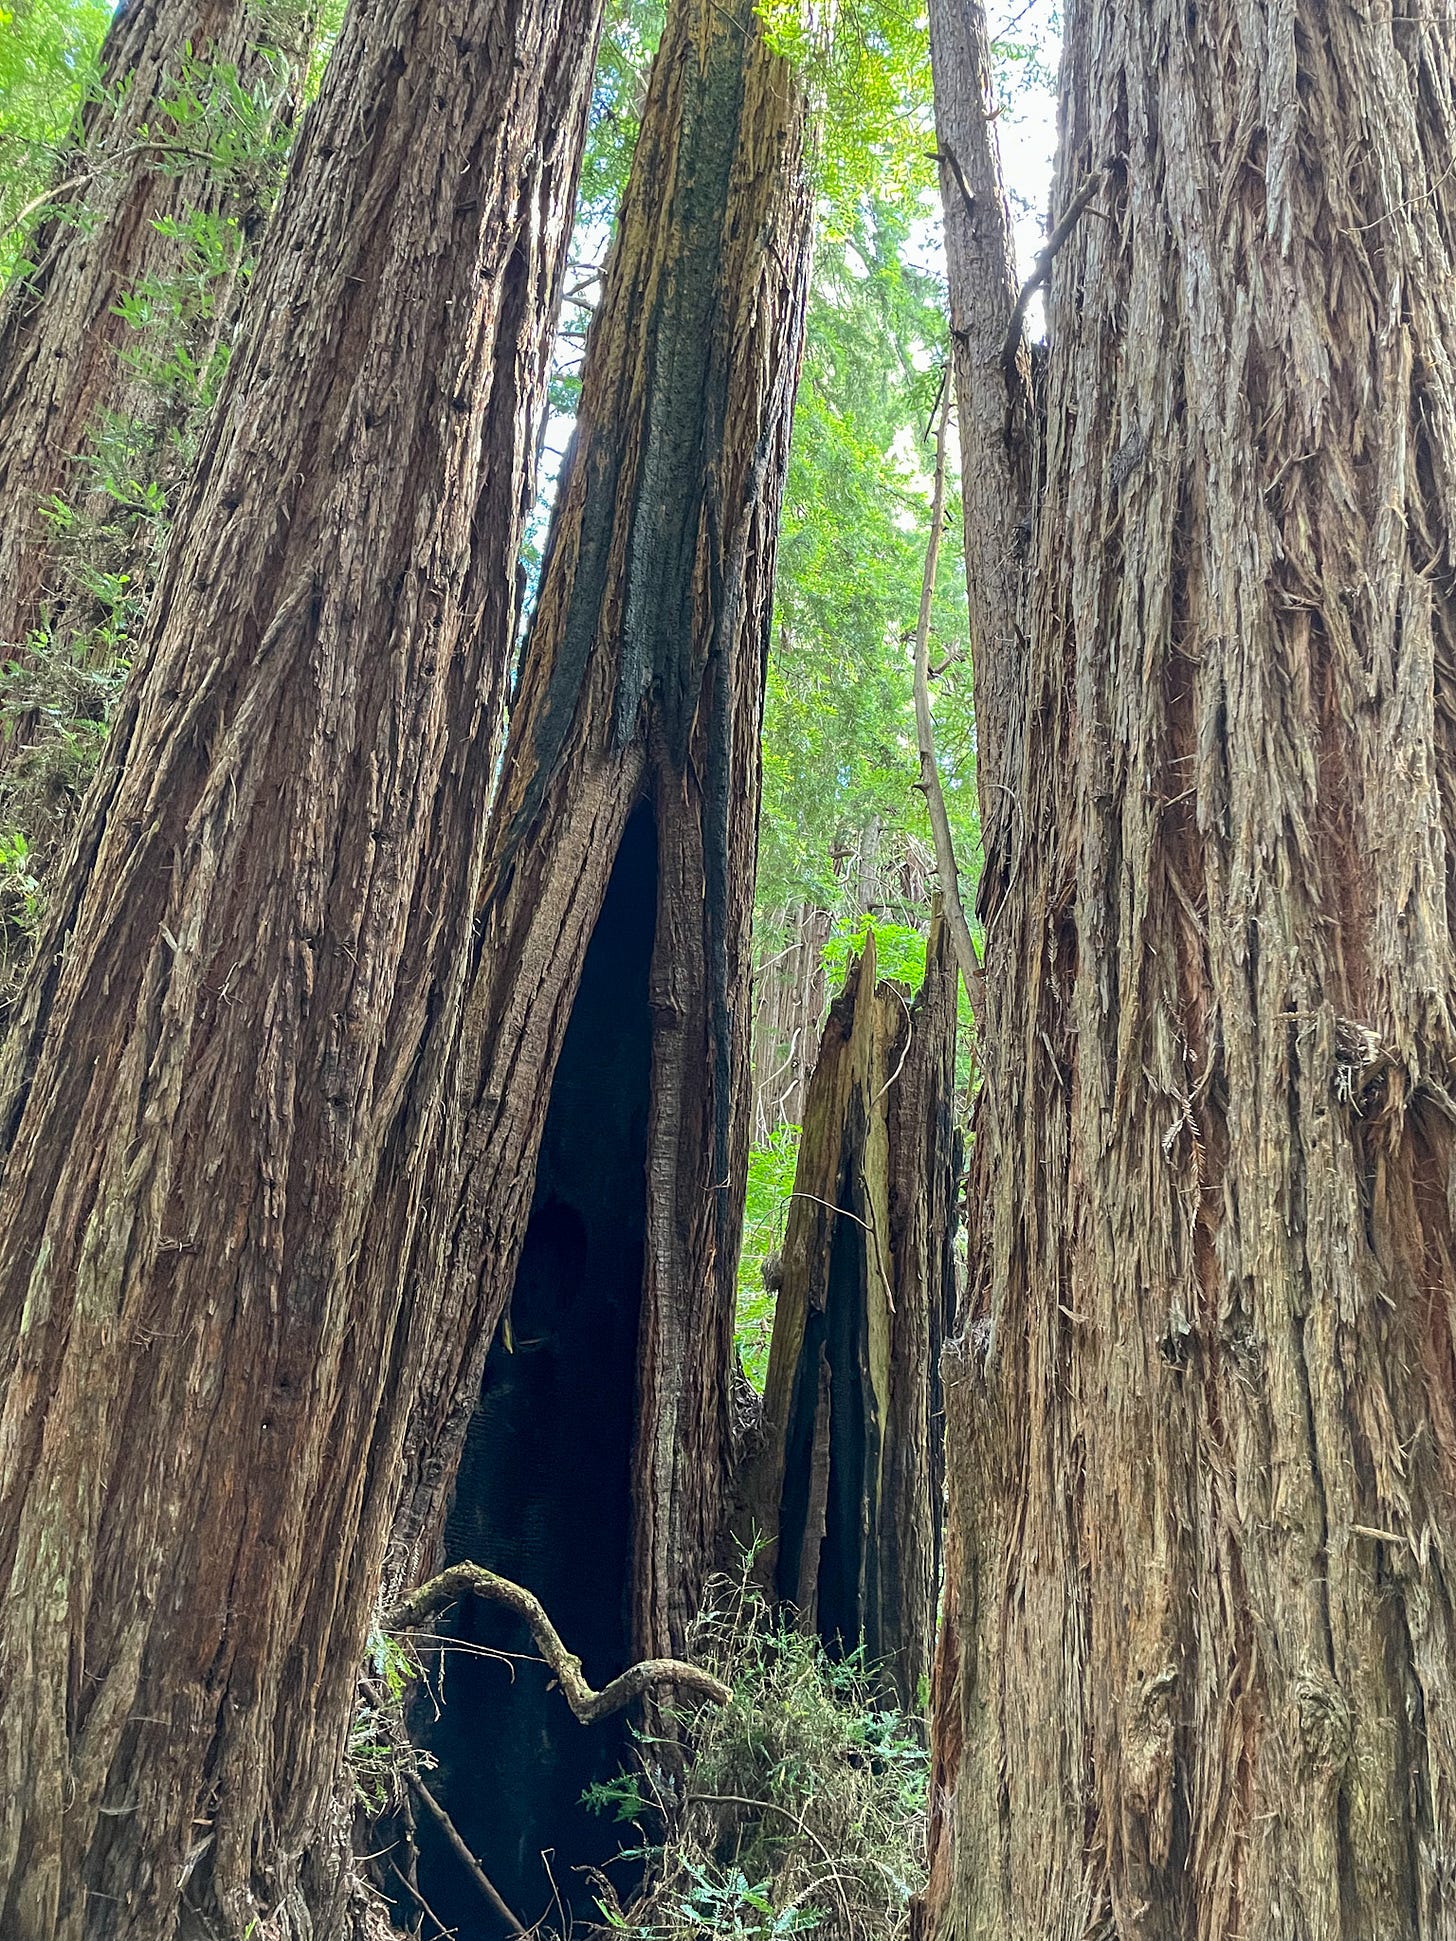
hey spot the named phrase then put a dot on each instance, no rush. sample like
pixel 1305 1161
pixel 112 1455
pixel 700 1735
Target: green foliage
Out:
pixel 839 728
pixel 866 64
pixel 765 1216
pixel 48 52
pixel 899 951
pixel 630 33
pixel 801 1806
pixel 379 1753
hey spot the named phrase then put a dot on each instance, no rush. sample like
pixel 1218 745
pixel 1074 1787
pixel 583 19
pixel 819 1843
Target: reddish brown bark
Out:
pixel 844 1490
pixel 1196 1678
pixel 600 1191
pixel 226 1072
pixel 60 332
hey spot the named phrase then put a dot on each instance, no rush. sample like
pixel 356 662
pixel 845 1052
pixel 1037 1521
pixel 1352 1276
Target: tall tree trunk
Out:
pixel 229 1056
pixel 596 1226
pixel 1197 1671
pixel 789 995
pixel 132 168
pixel 101 412
pixel 844 1489
pixel 993 406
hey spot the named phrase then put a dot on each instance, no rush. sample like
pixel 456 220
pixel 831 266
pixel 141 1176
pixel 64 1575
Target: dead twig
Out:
pixel 929 783
pixel 1045 257
pixel 466 1858
pixel 588 1705
pixel 948 156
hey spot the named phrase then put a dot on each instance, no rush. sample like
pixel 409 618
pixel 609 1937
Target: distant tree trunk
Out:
pixel 844 1489
pixel 1196 1676
pixel 595 1235
pixel 228 1059
pixel 789 994
pixel 993 406
pixel 60 331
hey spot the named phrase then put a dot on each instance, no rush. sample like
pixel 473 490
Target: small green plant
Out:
pixel 380 1754
pixel 798 1807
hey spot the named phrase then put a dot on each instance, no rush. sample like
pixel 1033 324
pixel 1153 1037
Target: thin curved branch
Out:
pixel 588 1705
pixel 929 784
pixel 1045 256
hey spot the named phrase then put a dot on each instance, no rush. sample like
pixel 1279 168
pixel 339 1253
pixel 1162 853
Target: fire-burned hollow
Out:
pixel 828 1493
pixel 544 1493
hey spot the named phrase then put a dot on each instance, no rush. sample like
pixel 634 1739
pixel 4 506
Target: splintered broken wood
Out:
pixel 843 1491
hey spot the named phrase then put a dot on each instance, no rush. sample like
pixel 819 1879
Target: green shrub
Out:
pixel 800 1806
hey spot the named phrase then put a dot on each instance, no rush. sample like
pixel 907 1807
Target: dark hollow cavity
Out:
pixel 843 1581
pixel 544 1493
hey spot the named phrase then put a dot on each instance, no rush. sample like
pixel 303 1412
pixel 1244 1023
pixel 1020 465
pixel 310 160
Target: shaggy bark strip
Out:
pixel 230 1055
pixel 1197 1673
pixel 642 682
pixel 844 1489
pixel 60 330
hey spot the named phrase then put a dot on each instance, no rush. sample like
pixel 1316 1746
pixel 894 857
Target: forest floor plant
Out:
pixel 800 1808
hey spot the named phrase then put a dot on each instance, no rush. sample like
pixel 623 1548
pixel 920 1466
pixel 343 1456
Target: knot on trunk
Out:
pixel 1324 1723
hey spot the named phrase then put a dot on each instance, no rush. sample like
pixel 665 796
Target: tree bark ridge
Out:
pixel 1195 1678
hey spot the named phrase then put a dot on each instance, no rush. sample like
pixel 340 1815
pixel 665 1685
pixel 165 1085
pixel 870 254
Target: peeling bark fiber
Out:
pixel 1197 1671
pixel 228 1061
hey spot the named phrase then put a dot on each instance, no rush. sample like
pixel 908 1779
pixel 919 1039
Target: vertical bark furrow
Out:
pixel 226 1083
pixel 1202 1463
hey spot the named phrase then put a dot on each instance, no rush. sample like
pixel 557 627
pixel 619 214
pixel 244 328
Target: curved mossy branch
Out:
pixel 588 1705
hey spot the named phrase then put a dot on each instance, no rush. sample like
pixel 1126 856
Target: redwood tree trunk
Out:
pixel 229 1056
pixel 788 1011
pixel 611 1008
pixel 1197 1671
pixel 844 1490
pixel 60 332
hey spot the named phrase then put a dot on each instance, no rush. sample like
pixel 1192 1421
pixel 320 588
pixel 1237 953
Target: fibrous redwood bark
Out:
pixel 844 1489
pixel 61 333
pixel 1197 1672
pixel 227 1063
pixel 594 1235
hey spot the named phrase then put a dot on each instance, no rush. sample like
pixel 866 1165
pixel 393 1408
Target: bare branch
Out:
pixel 467 1859
pixel 588 1705
pixel 960 932
pixel 1045 257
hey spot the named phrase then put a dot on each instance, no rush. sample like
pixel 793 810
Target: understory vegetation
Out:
pixel 796 1808
pixel 800 1807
